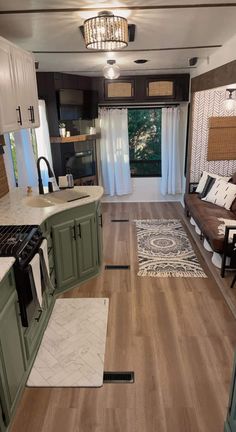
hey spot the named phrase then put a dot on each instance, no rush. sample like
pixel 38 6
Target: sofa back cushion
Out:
pixel 204 177
pixel 222 194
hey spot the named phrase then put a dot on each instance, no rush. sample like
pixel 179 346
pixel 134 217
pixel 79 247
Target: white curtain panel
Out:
pixel 8 162
pixel 114 151
pixel 43 141
pixel 171 180
pixel 26 164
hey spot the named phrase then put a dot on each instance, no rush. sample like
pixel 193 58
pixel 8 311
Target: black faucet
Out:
pixel 50 174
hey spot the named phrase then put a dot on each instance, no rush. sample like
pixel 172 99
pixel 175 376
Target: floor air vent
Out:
pixel 119 220
pixel 117 267
pixel 118 377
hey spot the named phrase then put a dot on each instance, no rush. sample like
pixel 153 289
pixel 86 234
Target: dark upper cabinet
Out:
pixel 52 84
pixel 90 105
pixel 144 88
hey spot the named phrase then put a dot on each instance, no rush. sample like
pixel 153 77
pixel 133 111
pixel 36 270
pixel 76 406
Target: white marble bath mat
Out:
pixel 73 346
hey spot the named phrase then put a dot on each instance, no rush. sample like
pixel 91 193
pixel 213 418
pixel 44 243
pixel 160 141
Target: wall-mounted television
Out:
pixel 71 97
pixel 70 104
pixel 77 104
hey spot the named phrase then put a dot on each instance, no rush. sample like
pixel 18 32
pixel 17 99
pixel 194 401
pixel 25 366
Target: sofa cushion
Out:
pixel 222 194
pixel 206 216
pixel 208 185
pixel 233 178
pixel 203 180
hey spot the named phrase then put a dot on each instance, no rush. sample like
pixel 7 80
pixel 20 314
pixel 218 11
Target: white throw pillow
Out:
pixel 203 180
pixel 222 194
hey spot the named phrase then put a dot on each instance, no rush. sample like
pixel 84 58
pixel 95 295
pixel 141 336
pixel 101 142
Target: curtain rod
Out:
pixel 169 105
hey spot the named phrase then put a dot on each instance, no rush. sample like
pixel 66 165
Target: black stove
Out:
pixel 19 241
pixel 22 242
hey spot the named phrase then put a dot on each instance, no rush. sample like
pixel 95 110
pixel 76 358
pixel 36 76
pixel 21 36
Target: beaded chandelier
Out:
pixel 106 32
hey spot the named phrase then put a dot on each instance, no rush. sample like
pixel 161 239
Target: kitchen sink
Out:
pixel 37 202
pixel 54 198
pixel 66 195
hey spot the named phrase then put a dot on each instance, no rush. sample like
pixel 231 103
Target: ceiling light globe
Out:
pixel 111 71
pixel 229 104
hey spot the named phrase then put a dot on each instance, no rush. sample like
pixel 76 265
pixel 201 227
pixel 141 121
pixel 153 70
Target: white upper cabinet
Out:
pixel 26 87
pixel 8 114
pixel 18 89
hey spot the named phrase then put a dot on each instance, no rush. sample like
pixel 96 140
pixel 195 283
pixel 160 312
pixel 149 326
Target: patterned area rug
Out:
pixel 164 250
pixel 73 346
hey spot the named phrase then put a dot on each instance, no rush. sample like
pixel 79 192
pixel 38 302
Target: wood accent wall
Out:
pixel 214 78
pixel 4 189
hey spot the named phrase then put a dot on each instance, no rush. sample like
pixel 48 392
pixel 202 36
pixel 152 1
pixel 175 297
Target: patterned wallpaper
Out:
pixel 207 104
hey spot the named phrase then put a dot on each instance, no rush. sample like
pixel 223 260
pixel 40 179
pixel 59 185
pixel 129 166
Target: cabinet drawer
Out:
pixel 32 334
pixel 7 287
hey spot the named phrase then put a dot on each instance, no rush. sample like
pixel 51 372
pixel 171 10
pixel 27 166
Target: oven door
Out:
pixel 27 296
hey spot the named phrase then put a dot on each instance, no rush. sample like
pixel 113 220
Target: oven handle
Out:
pixel 39 316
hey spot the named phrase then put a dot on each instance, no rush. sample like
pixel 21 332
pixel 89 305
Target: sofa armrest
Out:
pixel 227 233
pixel 192 187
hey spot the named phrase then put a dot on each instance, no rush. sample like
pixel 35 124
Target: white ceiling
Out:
pixel 155 29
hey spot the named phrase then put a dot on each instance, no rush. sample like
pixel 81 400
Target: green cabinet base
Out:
pixel 227 427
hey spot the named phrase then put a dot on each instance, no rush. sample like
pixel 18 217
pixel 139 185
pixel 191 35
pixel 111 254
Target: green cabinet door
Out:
pixel 230 424
pixel 2 426
pixel 64 246
pixel 12 367
pixel 87 248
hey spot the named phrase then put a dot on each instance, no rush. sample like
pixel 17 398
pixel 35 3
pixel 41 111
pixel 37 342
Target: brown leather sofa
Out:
pixel 206 216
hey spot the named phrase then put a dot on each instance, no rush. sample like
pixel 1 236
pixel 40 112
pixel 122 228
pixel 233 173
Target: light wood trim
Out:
pixel 75 138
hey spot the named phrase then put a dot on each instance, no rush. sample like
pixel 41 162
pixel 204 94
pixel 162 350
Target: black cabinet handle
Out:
pixel 30 110
pixel 40 313
pixel 79 226
pixel 73 232
pixel 101 221
pixel 19 112
pixel 33 116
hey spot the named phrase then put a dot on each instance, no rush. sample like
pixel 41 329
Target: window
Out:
pixel 14 152
pixel 145 142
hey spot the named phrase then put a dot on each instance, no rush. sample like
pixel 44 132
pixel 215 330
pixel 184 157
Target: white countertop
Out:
pixel 5 265
pixel 14 211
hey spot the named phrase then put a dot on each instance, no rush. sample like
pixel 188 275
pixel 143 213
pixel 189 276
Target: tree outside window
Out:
pixel 145 142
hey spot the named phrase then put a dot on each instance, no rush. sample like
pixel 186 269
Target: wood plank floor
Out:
pixel 177 334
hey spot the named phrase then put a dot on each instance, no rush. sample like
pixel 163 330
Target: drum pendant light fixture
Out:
pixel 111 70
pixel 106 32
